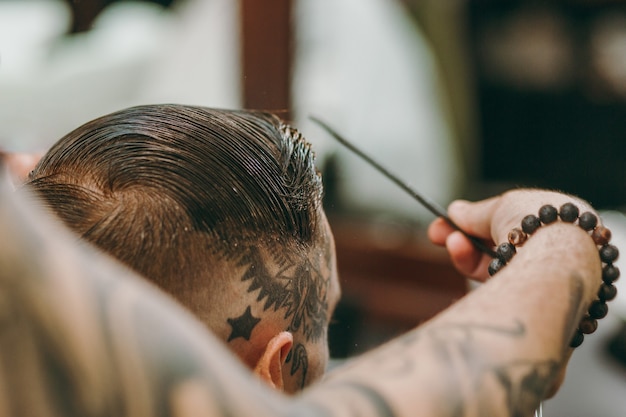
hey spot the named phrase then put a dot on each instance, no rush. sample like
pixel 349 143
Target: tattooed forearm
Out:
pixel 524 383
pixel 397 359
pixel 455 364
pixel 351 397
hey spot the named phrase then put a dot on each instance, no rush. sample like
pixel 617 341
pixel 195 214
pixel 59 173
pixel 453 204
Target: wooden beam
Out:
pixel 266 54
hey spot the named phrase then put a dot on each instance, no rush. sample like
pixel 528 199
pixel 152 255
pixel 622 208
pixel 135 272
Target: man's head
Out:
pixel 221 209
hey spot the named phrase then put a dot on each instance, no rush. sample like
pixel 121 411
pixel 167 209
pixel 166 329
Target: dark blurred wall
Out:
pixel 551 95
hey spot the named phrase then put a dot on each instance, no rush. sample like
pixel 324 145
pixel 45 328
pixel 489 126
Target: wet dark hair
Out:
pixel 157 186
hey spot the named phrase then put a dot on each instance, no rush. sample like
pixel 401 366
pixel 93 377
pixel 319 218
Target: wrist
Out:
pixel 580 234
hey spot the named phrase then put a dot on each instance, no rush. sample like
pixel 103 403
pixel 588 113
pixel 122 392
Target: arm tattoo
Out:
pixel 474 383
pixel 375 403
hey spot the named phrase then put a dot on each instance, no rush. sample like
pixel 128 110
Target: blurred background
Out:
pixel 461 98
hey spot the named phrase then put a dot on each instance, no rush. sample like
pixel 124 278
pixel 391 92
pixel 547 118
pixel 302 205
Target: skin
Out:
pixel 19 164
pixel 301 309
pixel 491 220
pixel 88 338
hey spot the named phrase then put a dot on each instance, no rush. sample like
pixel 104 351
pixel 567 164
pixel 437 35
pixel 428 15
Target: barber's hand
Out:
pixel 490 220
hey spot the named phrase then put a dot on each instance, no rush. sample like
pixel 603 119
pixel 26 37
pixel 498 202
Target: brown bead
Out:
pixel 530 223
pixel 548 214
pixel 607 292
pixel 577 339
pixel 598 309
pixel 568 212
pixel 609 253
pixel 506 251
pixel 610 273
pixel 495 265
pixel 601 235
pixel 588 325
pixel 587 221
pixel 517 237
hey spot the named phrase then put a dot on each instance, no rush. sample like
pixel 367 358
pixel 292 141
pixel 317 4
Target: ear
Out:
pixel 270 367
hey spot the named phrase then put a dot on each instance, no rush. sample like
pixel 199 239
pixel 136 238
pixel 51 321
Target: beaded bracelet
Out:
pixel 601 236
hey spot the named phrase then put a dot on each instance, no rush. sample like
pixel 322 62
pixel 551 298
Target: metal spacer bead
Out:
pixel 517 237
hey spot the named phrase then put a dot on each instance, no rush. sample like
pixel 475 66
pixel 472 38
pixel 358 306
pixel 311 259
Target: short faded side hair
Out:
pixel 161 187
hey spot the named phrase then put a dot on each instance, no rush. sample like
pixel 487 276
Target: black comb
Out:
pixel 424 201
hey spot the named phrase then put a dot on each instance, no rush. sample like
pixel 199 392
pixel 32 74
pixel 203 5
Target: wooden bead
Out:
pixel 577 339
pixel 598 309
pixel 530 223
pixel 610 273
pixel 517 237
pixel 607 292
pixel 588 325
pixel 587 221
pixel 601 235
pixel 506 251
pixel 608 253
pixel 568 212
pixel 548 214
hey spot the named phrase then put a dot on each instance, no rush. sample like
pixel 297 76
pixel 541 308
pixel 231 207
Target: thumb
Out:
pixel 475 218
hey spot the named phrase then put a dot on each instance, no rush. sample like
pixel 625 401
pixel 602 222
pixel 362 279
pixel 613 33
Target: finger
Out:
pixel 466 258
pixel 438 231
pixel 474 218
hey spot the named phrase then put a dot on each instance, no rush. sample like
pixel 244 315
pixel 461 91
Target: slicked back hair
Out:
pixel 163 187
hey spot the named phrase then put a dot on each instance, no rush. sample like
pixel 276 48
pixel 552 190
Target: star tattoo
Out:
pixel 243 325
